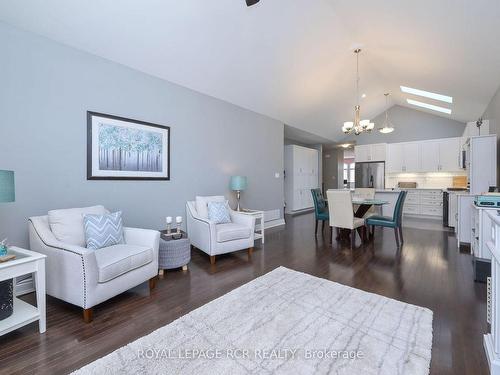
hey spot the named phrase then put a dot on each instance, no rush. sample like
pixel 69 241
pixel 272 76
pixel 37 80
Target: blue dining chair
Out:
pixel 396 221
pixel 320 209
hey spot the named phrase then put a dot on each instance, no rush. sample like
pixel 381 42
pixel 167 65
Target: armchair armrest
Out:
pixel 142 237
pixel 49 240
pixel 201 231
pixel 246 220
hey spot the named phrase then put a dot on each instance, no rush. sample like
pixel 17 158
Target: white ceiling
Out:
pixel 290 59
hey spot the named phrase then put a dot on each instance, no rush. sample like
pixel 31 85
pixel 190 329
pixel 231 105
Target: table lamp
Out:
pixel 238 184
pixel 7 193
pixel 6 286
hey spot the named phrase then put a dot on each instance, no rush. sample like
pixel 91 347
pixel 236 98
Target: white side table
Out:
pixel 26 262
pixel 259 215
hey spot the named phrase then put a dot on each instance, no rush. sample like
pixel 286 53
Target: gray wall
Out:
pixel 46 89
pixel 492 113
pixel 410 125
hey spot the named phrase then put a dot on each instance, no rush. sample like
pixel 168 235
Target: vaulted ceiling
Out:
pixel 290 59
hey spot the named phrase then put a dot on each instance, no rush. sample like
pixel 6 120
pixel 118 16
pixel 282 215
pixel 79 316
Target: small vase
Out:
pixel 3 250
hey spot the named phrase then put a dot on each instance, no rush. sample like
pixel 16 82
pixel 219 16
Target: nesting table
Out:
pixel 259 215
pixel 26 262
pixel 174 251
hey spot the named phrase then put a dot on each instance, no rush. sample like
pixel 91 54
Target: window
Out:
pixel 349 174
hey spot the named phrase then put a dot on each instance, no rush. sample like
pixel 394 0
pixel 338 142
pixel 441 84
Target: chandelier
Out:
pixel 388 127
pixel 357 126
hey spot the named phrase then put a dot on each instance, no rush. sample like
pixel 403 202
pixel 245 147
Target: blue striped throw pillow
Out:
pixel 103 230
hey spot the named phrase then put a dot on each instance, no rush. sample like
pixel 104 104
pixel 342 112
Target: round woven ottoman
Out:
pixel 174 251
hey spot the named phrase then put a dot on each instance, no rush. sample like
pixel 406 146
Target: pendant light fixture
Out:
pixel 357 126
pixel 388 127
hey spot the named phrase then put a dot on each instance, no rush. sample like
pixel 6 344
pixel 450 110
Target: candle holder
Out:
pixel 178 220
pixel 169 224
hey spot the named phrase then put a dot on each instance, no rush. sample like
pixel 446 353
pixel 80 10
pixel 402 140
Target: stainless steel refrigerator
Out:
pixel 369 175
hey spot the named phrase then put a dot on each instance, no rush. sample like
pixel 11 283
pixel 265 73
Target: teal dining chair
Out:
pixel 320 209
pixel 396 221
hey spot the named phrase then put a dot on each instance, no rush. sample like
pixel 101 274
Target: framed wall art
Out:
pixel 124 149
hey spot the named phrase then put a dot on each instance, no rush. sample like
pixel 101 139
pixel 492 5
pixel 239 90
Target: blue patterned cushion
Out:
pixel 103 230
pixel 218 212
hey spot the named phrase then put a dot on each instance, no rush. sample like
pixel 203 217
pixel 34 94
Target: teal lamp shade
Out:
pixel 7 193
pixel 238 183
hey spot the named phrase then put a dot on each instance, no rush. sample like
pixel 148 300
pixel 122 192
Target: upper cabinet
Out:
pixel 375 152
pixel 403 157
pixel 449 154
pixel 440 155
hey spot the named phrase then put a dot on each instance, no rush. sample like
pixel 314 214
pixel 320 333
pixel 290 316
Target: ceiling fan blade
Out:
pixel 251 2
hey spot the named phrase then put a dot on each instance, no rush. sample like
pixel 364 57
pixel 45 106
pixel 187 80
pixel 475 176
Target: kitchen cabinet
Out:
pixel 373 152
pixel 403 157
pixel 430 156
pixel 424 202
pixel 440 155
pixel 464 223
pixel 449 154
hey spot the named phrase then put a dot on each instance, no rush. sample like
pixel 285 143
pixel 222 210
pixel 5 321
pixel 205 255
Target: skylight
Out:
pixel 427 94
pixel 429 106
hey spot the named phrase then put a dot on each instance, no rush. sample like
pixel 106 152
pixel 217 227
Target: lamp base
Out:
pixel 238 195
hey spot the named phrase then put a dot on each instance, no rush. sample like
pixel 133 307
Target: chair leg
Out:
pixel 364 233
pixel 212 259
pixel 338 234
pixel 250 252
pixel 331 234
pixel 353 238
pixel 152 283
pixel 316 228
pixel 397 237
pixel 88 315
pixel 401 234
pixel 323 226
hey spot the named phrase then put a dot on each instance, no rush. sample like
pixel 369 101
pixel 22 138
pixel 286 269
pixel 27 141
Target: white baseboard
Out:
pixel 24 286
pixel 271 224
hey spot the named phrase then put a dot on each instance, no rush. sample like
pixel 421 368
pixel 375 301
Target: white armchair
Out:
pixel 85 277
pixel 215 239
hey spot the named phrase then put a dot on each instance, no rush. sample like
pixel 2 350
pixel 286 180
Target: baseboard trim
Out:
pixel 271 224
pixel 24 286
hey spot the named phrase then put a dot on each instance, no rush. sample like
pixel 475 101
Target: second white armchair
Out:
pixel 215 239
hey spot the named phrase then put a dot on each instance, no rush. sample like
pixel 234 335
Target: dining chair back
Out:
pixel 320 208
pixel 397 216
pixel 342 214
pixel 340 208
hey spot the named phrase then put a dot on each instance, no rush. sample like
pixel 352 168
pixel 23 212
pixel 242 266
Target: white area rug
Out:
pixel 285 322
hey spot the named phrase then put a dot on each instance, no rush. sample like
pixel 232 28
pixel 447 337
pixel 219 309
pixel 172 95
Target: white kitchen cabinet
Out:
pixel 483 163
pixel 411 157
pixel 464 223
pixel 429 151
pixel 301 175
pixel 378 152
pixel 440 155
pixel 403 157
pixel 394 162
pixel 374 152
pixel 449 154
pixel 424 202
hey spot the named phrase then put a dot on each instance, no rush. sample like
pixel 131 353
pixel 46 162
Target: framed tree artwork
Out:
pixel 123 149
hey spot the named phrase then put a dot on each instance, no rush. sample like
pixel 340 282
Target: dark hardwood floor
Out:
pixel 429 271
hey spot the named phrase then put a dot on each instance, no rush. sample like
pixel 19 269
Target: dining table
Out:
pixel 365 204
